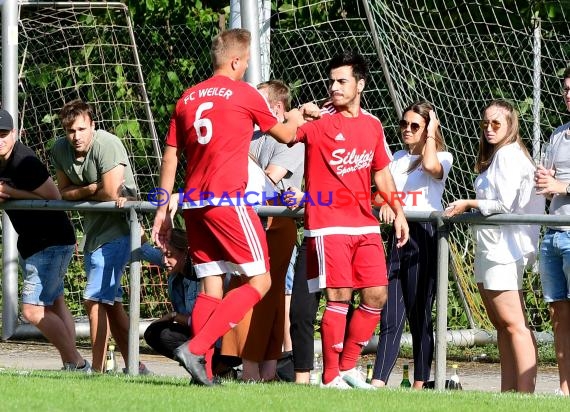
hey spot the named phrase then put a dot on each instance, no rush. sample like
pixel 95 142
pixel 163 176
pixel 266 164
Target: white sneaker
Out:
pixel 355 379
pixel 558 392
pixel 336 383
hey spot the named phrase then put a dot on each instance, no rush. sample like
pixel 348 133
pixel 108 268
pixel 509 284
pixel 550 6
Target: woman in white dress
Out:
pixel 505 184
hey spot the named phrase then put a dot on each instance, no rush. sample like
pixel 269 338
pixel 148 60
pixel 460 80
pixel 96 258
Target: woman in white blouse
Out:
pixel 505 185
pixel 419 172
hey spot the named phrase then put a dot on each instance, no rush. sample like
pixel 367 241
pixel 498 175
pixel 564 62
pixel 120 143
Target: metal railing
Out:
pixel 443 224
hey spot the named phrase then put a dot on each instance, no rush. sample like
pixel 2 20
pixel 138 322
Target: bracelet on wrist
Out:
pixel 430 137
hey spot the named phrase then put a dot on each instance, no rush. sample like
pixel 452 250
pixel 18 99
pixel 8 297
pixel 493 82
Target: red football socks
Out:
pixel 229 312
pixel 361 327
pixel 203 309
pixel 332 335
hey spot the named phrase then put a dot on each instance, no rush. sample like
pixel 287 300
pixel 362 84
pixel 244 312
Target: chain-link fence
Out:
pixel 175 57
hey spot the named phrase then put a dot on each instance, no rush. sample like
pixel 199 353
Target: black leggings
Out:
pixel 165 336
pixel 303 311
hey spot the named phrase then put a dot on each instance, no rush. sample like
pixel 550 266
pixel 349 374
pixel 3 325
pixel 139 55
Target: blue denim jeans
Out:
pixel 104 267
pixel 152 254
pixel 43 274
pixel 554 265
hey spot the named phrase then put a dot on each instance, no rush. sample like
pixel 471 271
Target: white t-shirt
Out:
pixel 560 141
pixel 259 187
pixel 421 191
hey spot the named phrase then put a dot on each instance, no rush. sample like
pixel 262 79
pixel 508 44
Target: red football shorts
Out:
pixel 346 261
pixel 226 239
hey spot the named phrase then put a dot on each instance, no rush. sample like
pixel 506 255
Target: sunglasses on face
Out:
pixel 565 90
pixel 414 127
pixel 495 124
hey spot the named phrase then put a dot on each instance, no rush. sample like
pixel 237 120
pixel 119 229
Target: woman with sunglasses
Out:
pixel 420 172
pixel 505 185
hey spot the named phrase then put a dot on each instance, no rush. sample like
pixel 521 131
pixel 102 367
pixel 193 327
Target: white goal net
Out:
pixel 87 50
pixel 457 55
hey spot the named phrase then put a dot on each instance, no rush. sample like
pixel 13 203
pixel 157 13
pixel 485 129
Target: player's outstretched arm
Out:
pixel 285 132
pixel 387 189
pixel 162 227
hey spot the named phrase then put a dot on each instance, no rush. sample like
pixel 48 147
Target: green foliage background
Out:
pixel 173 39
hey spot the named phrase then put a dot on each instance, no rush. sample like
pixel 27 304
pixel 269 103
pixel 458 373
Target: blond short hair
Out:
pixel 229 44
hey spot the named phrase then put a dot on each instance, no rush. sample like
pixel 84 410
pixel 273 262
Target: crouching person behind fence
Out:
pixel 164 335
pixel 46 241
pixel 173 329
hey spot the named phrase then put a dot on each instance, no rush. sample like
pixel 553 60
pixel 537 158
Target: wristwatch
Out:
pixel 568 190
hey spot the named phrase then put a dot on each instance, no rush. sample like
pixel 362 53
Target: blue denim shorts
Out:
pixel 43 274
pixel 291 272
pixel 554 265
pixel 104 267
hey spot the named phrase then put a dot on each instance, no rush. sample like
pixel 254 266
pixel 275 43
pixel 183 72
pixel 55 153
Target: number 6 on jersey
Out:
pixel 203 138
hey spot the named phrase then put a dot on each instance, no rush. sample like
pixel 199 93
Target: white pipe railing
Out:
pixel 442 335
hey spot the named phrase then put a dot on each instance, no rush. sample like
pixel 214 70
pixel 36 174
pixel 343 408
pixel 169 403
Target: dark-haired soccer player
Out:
pixel 344 250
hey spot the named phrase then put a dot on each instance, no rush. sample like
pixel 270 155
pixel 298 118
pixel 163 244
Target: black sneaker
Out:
pixel 70 366
pixel 195 365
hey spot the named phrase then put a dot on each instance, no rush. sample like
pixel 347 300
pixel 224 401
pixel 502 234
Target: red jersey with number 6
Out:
pixel 213 123
pixel 340 153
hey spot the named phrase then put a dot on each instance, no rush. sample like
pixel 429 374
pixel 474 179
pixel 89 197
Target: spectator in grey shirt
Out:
pixel 553 181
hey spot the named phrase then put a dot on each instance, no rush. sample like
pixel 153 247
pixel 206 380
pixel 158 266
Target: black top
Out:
pixel 37 229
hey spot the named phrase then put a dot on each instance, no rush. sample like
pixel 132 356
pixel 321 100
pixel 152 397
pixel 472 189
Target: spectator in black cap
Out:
pixel 46 243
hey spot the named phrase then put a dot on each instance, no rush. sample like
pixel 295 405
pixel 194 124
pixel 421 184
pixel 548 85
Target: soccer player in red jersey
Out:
pixel 212 126
pixel 345 250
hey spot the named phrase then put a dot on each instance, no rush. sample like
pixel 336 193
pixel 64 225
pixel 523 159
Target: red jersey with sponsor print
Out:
pixel 213 123
pixel 340 153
